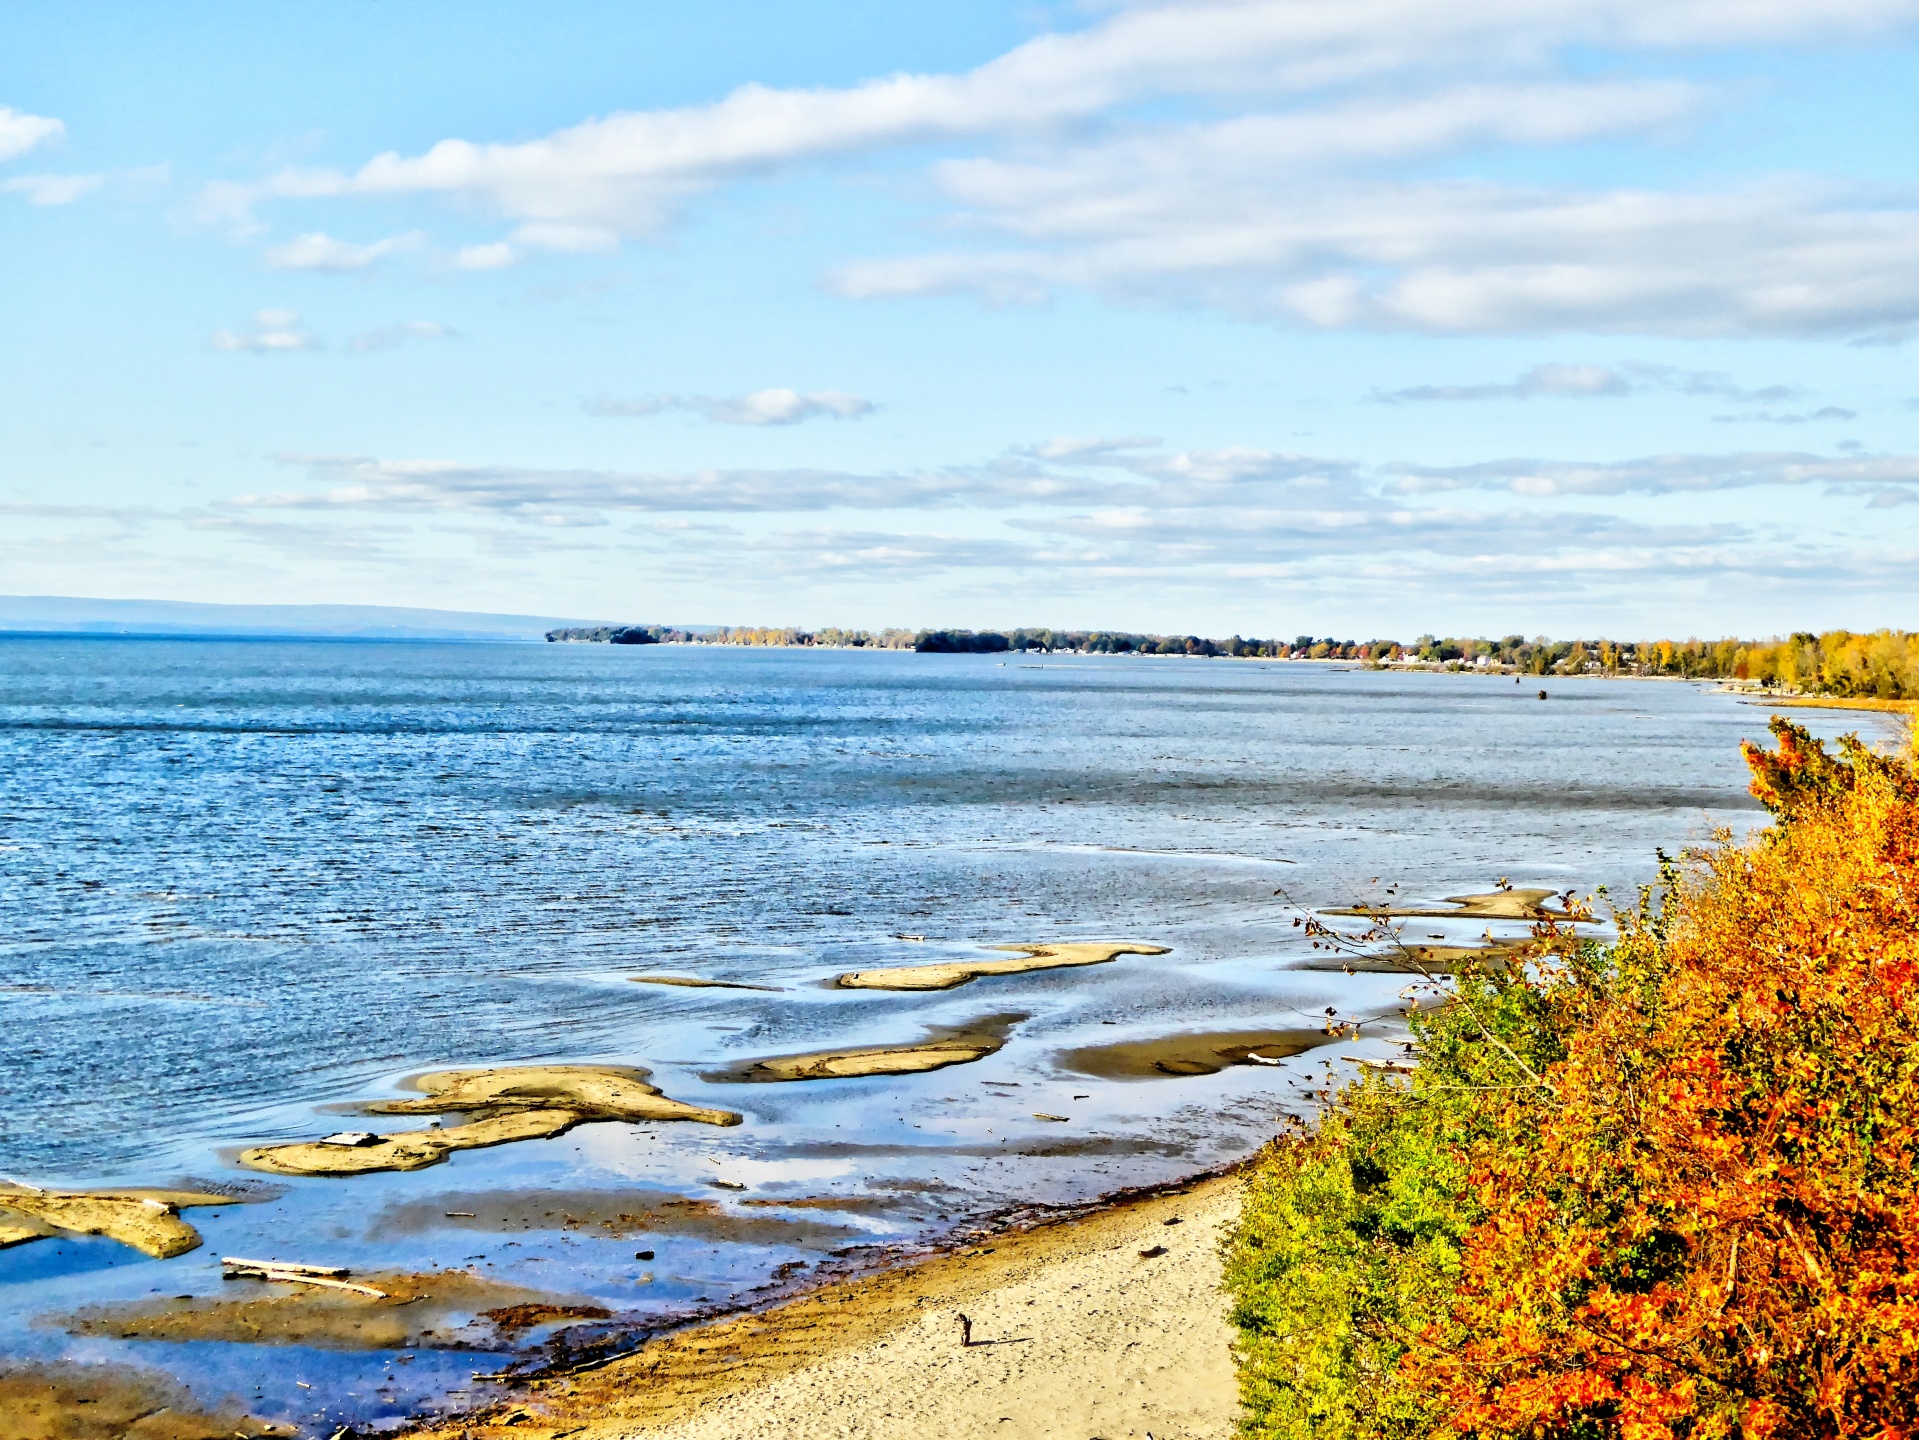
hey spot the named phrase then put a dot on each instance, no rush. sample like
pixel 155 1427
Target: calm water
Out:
pixel 240 882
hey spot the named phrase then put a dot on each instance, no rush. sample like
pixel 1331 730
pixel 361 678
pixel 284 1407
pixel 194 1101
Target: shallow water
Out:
pixel 245 884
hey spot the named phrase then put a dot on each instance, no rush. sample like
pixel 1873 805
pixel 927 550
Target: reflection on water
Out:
pixel 243 882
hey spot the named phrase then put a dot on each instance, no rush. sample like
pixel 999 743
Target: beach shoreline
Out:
pixel 1103 1319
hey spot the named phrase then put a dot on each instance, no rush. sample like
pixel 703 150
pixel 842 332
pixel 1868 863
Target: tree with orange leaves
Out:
pixel 1699 1216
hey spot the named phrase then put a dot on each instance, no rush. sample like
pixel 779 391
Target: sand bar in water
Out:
pixel 148 1220
pixel 1528 904
pixel 1176 1055
pixel 1030 957
pixel 1427 959
pixel 513 1102
pixel 936 1052
pixel 694 982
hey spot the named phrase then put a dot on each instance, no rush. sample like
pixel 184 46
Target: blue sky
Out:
pixel 1270 317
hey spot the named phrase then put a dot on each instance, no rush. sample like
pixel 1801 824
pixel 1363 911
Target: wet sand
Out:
pixel 694 982
pixel 113 1402
pixel 1076 1333
pixel 621 1213
pixel 441 1308
pixel 1192 1054
pixel 962 972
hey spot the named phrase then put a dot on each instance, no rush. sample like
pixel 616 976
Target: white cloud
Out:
pixel 1083 177
pixel 1771 417
pixel 274 332
pixel 627 174
pixel 1662 474
pixel 1588 381
pixel 52 189
pixel 389 337
pixel 20 133
pixel 1120 484
pixel 761 407
pixel 496 256
pixel 320 251
pixel 1451 257
pixel 1560 381
pixel 540 494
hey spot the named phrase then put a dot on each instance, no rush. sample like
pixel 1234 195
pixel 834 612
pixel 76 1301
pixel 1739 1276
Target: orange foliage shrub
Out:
pixel 1709 1225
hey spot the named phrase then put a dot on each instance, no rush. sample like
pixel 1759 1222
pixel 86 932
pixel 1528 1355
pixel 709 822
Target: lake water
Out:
pixel 246 884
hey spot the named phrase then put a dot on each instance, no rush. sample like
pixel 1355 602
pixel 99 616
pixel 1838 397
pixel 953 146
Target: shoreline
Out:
pixel 1838 702
pixel 1066 1339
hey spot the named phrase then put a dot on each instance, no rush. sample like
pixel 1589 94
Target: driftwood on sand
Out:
pixel 1028 957
pixel 326 1277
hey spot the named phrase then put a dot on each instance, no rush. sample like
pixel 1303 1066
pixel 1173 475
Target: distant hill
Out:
pixel 66 614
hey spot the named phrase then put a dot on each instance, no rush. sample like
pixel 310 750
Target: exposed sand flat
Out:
pixel 694 982
pixel 1433 959
pixel 1076 1335
pixel 1189 1054
pixel 409 1149
pixel 515 1102
pixel 940 1049
pixel 18 1230
pixel 71 1401
pixel 445 1308
pixel 1493 905
pixel 599 1092
pixel 872 1060
pixel 1030 957
pixel 1836 702
pixel 147 1220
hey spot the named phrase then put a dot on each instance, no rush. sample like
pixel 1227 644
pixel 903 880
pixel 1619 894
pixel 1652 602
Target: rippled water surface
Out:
pixel 245 882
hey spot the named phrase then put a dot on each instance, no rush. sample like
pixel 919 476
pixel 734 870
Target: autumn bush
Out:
pixel 1664 1188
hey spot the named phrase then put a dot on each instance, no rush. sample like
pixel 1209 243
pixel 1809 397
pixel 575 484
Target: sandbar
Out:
pixel 409 1149
pixel 601 1092
pixel 1492 905
pixel 147 1220
pixel 1189 1054
pixel 694 982
pixel 1427 959
pixel 513 1102
pixel 960 972
pixel 1076 1333
pixel 936 1052
pixel 73 1401
pixel 445 1308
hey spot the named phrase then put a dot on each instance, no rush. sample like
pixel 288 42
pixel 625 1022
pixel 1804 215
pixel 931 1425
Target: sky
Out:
pixel 1275 317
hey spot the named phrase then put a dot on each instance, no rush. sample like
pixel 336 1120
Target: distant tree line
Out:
pixel 1883 664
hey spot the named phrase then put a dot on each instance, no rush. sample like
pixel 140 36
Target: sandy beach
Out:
pixel 1108 1326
